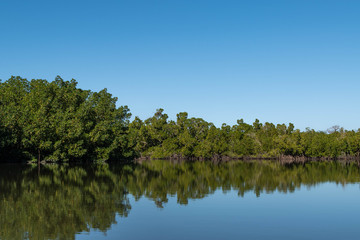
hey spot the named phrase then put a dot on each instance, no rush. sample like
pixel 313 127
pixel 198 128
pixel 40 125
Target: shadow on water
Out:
pixel 61 200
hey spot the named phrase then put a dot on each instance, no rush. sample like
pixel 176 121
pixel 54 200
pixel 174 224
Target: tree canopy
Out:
pixel 57 121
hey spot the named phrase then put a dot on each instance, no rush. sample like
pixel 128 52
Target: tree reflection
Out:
pixel 157 179
pixel 59 203
pixel 64 200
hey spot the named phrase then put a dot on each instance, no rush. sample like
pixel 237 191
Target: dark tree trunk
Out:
pixel 39 162
pixel 38 156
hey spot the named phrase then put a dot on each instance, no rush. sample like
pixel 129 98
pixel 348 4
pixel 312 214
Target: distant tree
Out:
pixel 333 129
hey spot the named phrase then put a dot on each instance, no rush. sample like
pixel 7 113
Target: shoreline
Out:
pixel 215 159
pixel 281 159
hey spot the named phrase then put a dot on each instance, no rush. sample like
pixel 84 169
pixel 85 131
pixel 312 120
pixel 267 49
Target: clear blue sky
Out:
pixel 279 61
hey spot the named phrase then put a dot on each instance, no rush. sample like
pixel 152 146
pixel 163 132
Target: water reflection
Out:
pixel 61 200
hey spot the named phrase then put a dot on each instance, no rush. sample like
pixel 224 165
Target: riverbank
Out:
pixel 281 159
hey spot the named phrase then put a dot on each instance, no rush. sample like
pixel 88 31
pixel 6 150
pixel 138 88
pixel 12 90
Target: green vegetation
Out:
pixel 61 200
pixel 56 121
pixel 158 137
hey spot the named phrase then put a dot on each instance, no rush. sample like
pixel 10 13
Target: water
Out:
pixel 164 200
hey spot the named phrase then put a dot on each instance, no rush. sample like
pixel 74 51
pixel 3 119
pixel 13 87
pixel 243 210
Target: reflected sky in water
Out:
pixel 325 211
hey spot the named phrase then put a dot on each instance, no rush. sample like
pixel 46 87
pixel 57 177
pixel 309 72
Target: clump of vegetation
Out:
pixel 158 137
pixel 58 121
pixel 55 121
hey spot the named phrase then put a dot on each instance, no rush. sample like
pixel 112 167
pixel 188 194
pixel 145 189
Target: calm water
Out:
pixel 164 200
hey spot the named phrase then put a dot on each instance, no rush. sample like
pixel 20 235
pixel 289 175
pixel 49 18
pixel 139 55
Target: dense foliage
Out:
pixel 60 201
pixel 159 137
pixel 58 121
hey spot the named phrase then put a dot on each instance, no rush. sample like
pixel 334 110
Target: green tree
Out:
pixel 58 121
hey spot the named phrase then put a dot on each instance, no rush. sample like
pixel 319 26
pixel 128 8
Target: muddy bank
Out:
pixel 281 159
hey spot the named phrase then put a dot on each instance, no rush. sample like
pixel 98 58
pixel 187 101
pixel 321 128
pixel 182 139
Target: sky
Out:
pixel 278 61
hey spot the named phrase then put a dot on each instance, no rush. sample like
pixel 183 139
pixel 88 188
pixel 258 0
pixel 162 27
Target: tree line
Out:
pixel 57 121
